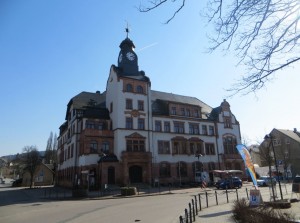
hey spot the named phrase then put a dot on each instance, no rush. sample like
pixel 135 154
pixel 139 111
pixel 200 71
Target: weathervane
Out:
pixel 127 30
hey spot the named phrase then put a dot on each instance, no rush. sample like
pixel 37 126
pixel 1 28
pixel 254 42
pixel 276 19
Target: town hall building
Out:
pixel 131 134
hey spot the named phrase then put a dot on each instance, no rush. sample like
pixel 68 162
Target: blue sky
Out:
pixel 52 50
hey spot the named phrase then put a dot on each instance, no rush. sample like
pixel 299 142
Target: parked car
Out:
pixel 17 183
pixel 232 182
pixel 296 184
pixel 264 181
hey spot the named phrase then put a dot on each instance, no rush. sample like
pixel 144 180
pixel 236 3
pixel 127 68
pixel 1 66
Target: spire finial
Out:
pixel 127 30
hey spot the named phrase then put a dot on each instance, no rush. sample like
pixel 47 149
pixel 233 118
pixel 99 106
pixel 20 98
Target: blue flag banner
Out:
pixel 242 149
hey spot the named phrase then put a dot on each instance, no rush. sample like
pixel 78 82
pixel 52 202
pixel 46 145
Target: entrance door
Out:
pixel 136 174
pixel 111 175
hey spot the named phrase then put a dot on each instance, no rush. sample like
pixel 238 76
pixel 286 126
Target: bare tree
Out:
pixel 30 160
pixel 263 33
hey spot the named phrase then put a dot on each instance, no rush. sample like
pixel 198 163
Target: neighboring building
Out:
pixel 286 145
pixel 255 155
pixel 43 176
pixel 132 134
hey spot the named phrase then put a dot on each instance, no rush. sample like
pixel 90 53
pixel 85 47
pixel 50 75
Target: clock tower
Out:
pixel 127 60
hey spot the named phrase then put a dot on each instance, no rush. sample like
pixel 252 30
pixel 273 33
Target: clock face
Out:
pixel 120 57
pixel 130 56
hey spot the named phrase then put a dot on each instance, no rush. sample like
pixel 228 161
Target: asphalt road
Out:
pixel 25 205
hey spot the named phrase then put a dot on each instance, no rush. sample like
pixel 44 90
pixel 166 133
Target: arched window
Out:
pixel 229 144
pixel 164 169
pixel 129 88
pixel 139 89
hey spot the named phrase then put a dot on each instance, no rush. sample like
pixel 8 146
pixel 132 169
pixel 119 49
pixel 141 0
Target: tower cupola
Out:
pixel 127 59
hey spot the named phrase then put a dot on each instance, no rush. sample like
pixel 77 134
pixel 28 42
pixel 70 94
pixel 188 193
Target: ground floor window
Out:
pixel 164 169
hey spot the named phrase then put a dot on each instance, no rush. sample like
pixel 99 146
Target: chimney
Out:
pixel 295 130
pixel 97 92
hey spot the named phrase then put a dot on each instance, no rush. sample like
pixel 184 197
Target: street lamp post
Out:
pixel 198 155
pixel 269 136
pixel 179 169
pixel 219 154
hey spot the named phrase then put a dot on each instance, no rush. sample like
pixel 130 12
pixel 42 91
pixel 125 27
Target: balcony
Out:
pixel 97 132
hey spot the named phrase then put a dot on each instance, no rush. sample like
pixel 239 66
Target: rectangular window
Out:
pixel 182 111
pixel 173 111
pixel 179 147
pixel 129 123
pixel 227 122
pixel 141 123
pixel 105 147
pixel 167 127
pixel 194 129
pixel 179 127
pixel 196 113
pixel 211 130
pixel 158 126
pixel 163 147
pixel 135 145
pixel 128 104
pixel 188 112
pixel 210 149
pixel 93 146
pixel 204 130
pixel 141 105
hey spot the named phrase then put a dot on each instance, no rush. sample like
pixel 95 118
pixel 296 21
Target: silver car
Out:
pixel 266 181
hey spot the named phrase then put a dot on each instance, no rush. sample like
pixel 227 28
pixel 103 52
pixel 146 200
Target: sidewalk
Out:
pixel 223 213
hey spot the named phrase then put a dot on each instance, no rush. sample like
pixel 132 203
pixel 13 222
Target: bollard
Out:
pixel 237 194
pixel 216 198
pixel 196 205
pixel 193 209
pixel 180 219
pixel 227 196
pixel 199 202
pixel 190 212
pixel 186 216
pixel 247 193
pixel 206 199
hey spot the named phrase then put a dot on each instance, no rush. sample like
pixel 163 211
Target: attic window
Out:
pixel 139 89
pixel 129 88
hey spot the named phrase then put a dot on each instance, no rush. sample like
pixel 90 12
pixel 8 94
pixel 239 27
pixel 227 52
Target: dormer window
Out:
pixel 139 89
pixel 129 88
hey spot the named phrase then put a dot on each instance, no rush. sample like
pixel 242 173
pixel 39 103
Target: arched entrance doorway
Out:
pixel 136 174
